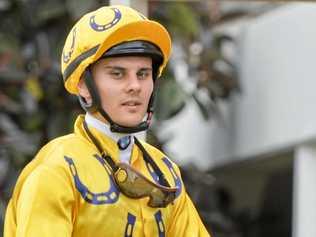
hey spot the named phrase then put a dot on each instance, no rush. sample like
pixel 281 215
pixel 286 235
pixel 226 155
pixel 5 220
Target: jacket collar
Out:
pixel 108 140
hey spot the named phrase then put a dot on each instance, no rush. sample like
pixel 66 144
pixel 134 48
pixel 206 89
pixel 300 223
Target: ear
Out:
pixel 83 91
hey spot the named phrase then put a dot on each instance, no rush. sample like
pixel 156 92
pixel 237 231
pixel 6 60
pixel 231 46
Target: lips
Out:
pixel 132 103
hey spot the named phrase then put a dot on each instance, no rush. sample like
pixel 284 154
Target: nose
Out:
pixel 133 83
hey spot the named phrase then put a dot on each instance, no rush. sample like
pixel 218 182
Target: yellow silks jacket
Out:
pixel 66 191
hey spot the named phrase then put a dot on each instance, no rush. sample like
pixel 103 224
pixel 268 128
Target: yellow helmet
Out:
pixel 98 31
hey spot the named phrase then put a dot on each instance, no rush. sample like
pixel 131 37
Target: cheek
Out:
pixel 108 95
pixel 102 83
pixel 149 88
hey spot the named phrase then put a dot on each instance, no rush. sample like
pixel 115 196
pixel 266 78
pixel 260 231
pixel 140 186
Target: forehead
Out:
pixel 126 62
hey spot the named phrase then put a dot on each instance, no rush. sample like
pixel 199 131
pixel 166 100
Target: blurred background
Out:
pixel 235 107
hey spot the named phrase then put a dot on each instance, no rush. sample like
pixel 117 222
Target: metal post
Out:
pixel 304 196
pixel 140 5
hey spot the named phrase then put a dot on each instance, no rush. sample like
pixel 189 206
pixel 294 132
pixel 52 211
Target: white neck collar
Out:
pixel 104 128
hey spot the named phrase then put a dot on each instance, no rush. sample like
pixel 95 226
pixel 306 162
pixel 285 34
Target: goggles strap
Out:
pixel 162 180
pixel 98 145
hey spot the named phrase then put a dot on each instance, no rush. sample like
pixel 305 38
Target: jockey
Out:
pixel 101 180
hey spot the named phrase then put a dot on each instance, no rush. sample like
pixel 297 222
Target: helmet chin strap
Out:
pixel 96 106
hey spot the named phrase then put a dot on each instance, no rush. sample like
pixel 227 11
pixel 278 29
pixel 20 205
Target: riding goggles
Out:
pixel 133 184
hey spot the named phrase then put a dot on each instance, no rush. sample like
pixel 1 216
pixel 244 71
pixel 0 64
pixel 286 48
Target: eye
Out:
pixel 144 74
pixel 116 74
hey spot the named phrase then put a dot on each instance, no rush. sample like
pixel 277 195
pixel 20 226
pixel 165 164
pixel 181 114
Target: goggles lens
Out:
pixel 135 185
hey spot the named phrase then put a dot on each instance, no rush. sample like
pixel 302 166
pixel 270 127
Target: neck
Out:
pixel 103 126
pixel 105 129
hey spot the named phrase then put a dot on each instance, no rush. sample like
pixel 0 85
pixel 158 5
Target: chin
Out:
pixel 129 122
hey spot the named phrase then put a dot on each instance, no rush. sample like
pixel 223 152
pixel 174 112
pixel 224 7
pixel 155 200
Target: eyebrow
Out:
pixel 123 68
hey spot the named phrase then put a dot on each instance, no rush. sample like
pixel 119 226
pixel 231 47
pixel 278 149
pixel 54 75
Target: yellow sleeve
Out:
pixel 186 221
pixel 45 204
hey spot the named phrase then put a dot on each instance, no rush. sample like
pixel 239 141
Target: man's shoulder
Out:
pixel 58 144
pixel 53 152
pixel 66 140
pixel 48 161
pixel 52 155
pixel 154 151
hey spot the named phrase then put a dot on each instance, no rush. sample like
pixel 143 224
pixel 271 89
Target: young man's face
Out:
pixel 125 85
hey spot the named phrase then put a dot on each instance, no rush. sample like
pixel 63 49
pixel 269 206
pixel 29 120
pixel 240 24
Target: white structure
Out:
pixel 276 110
pixel 140 5
pixel 276 107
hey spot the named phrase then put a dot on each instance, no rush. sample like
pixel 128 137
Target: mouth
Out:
pixel 132 104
